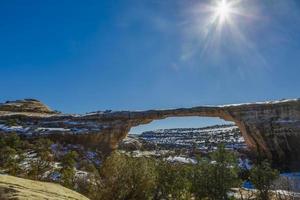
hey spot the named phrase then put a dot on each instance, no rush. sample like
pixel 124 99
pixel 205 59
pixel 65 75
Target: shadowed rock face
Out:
pixel 269 128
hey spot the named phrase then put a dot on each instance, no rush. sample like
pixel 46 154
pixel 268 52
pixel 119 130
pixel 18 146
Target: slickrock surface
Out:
pixel 271 128
pixel 13 188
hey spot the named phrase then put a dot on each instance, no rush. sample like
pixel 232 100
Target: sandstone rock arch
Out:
pixel 269 128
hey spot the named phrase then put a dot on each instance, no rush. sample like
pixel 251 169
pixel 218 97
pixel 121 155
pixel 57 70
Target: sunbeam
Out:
pixel 219 29
pixel 223 10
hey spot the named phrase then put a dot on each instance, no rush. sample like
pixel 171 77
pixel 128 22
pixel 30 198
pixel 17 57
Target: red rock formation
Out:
pixel 269 128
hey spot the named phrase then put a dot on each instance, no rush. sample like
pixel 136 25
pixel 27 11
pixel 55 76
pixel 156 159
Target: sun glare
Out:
pixel 223 10
pixel 213 24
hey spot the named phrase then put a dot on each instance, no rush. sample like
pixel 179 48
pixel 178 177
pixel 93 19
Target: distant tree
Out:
pixel 213 178
pixel 26 145
pixel 10 161
pixel 2 141
pixel 225 172
pixel 87 166
pixel 173 181
pixel 201 179
pixel 125 177
pixel 13 140
pixel 69 159
pixel 42 145
pixel 10 153
pixel 89 186
pixel 40 165
pixel 262 177
pixel 67 171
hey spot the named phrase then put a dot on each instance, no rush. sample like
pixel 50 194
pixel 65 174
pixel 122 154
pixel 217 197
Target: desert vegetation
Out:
pixel 123 176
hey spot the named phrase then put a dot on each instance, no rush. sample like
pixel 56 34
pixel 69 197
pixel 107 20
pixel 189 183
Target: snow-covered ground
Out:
pixel 206 138
pixel 6 128
pixel 293 178
pixel 181 159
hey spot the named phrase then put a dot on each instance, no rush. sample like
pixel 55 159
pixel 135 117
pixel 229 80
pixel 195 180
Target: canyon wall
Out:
pixel 271 129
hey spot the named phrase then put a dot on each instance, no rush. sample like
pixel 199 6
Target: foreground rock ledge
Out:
pixel 23 189
pixel 269 128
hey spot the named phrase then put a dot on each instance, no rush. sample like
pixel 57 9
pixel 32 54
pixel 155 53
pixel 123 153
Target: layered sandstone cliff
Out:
pixel 269 128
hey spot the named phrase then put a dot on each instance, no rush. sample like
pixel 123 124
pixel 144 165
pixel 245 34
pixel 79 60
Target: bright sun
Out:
pixel 223 10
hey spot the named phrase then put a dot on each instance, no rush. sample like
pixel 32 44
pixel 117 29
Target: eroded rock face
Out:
pixel 269 128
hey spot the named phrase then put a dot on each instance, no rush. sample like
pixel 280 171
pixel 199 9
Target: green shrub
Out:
pixel 214 178
pixel 125 177
pixel 262 177
pixel 67 171
pixel 173 181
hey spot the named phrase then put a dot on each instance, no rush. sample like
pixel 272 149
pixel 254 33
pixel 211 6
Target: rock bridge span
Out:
pixel 269 128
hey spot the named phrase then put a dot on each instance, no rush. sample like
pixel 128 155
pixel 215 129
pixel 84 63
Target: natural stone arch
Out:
pixel 138 118
pixel 188 122
pixel 269 128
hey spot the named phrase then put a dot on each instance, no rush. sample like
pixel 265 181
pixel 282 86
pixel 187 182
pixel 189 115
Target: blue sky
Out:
pixel 80 56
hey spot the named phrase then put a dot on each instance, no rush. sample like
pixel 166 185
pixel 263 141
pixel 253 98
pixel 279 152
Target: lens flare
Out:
pixel 217 30
pixel 223 10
